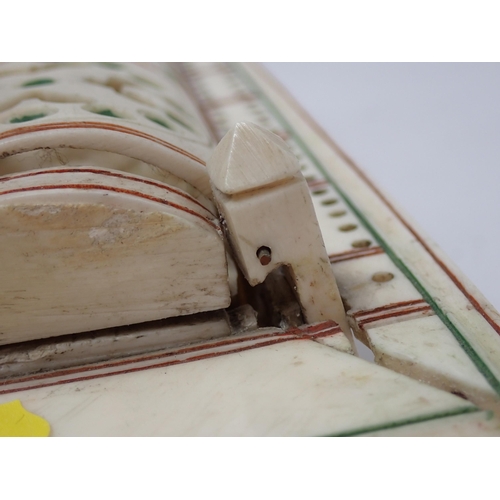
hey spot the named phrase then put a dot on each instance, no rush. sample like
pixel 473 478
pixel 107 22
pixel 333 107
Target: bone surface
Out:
pixel 270 220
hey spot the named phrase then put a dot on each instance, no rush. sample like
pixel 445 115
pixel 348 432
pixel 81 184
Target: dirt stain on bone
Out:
pixel 83 232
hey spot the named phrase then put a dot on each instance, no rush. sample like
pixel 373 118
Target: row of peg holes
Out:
pixel 340 213
pixel 379 277
pixel 263 119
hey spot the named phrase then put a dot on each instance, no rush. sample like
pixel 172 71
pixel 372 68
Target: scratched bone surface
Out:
pixel 142 135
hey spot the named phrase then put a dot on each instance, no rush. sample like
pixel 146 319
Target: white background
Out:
pixel 428 135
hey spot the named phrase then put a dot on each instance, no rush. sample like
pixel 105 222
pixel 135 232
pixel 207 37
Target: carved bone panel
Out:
pixel 84 249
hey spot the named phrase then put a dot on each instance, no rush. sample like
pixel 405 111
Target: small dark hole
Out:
pixel 330 201
pixel 338 213
pixel 460 394
pixel 348 227
pixel 319 192
pixel 361 243
pixel 382 277
pixel 264 255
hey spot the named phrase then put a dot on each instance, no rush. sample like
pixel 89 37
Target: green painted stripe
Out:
pixel 464 343
pixel 40 81
pixel 27 118
pixel 408 421
pixel 106 112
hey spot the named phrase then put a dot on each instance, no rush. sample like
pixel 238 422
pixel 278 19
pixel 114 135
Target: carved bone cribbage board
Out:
pixel 435 339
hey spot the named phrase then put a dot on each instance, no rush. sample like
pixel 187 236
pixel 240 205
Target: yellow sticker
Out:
pixel 15 421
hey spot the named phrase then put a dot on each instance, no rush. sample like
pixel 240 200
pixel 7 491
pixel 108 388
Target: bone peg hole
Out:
pixel 361 243
pixel 330 201
pixel 382 277
pixel 264 255
pixel 337 213
pixel 347 227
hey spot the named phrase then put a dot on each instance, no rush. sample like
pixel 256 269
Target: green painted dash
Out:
pixel 27 118
pixel 107 112
pixel 40 81
pixel 159 122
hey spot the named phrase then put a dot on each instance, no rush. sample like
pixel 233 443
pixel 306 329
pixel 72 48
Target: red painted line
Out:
pixel 328 333
pixel 295 333
pixel 317 183
pixel 309 333
pixel 355 254
pixel 394 305
pixel 312 329
pixel 307 118
pixel 160 365
pixel 120 175
pixel 97 125
pixel 116 190
pixel 131 361
pixel 394 314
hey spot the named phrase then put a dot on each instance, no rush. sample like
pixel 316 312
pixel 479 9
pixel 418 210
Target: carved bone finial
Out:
pixel 270 218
